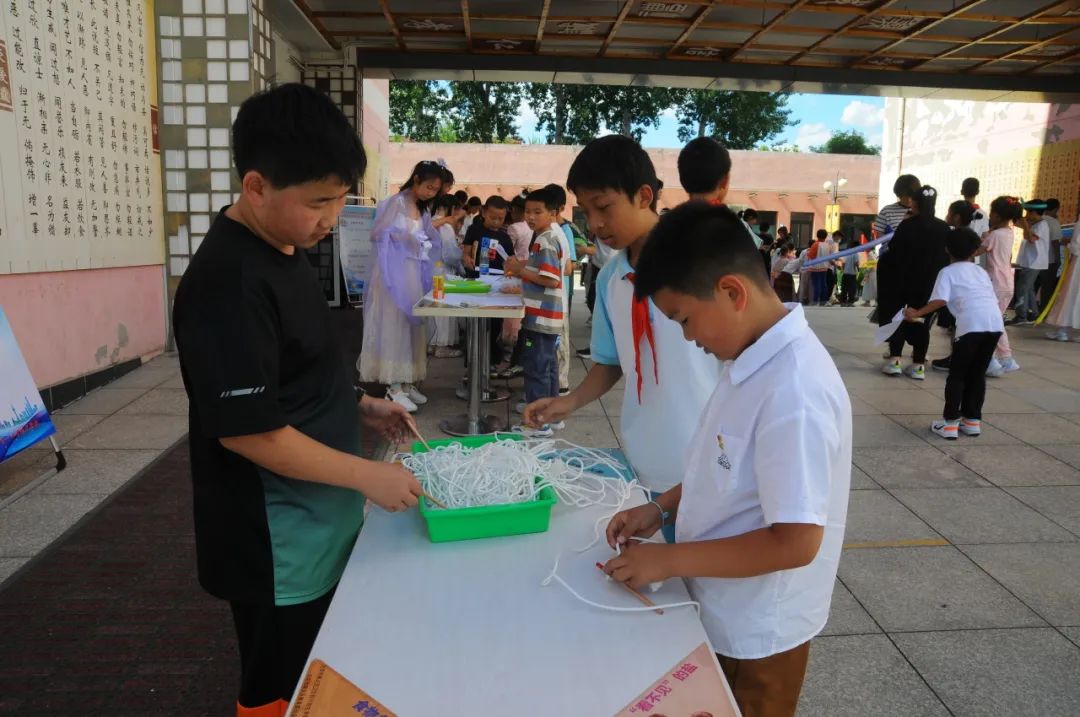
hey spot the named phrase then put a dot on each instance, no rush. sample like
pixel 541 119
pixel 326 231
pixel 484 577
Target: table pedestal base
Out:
pixel 460 425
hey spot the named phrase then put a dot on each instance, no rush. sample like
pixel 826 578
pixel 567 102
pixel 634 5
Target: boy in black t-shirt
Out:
pixel 274 425
pixel 488 225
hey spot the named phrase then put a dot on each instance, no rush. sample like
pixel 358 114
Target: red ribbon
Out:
pixel 641 326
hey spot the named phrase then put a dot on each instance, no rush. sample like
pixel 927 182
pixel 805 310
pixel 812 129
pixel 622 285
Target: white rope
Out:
pixel 614 608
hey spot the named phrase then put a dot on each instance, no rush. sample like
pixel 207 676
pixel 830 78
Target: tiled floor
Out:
pixel 959 588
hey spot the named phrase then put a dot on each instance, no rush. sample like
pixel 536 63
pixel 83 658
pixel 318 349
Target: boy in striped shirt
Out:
pixel 541 279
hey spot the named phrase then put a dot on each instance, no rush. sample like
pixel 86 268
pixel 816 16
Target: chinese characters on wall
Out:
pixel 76 149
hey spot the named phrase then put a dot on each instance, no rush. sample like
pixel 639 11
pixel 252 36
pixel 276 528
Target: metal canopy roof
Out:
pixel 980 49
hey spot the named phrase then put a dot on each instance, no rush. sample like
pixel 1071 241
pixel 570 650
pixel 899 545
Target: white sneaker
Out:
pixel 400 398
pixel 1009 365
pixel 519 407
pixel 995 369
pixel 970 426
pixel 892 368
pixel 414 395
pixel 545 431
pixel 1059 335
pixel 946 429
pixel 917 371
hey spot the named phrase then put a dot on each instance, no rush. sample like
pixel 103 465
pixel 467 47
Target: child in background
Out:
pixel 758 530
pixel 888 219
pixel 958 216
pixel 542 279
pixel 1033 259
pixel 705 173
pixel 569 253
pixel 783 281
pixel 966 289
pixel 817 273
pixel 472 212
pixel 521 236
pixel 997 245
pixel 849 278
pixel 519 231
pixel 445 333
pixel 490 226
pixel 668 379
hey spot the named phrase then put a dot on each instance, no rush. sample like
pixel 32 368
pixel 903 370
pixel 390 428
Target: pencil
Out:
pixel 431 499
pixel 416 432
pixel 638 595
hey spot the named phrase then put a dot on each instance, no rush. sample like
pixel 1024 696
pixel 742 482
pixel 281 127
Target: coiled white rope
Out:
pixel 515 471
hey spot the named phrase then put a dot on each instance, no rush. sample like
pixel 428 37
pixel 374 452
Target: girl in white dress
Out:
pixel 404 249
pixel 1065 314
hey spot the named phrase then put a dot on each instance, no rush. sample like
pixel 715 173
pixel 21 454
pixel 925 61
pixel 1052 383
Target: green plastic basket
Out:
pixel 468 286
pixel 489 521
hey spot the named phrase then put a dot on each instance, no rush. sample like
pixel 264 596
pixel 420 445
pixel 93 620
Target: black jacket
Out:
pixel 906 272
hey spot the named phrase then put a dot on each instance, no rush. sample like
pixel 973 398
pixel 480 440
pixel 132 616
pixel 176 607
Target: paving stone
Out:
pixel 846 616
pixel 929 588
pixel 920 426
pixel 863 676
pixel 1060 504
pixel 134 432
pixel 1073 633
pixel 1015 465
pixel 102 401
pixel 1046 576
pixel 1037 429
pixel 146 377
pixel 159 401
pixel 99 472
pixel 8 566
pixel 890 402
pixel 29 524
pixel 22 469
pixel 861 481
pixel 874 515
pixel 881 431
pixel 860 407
pixel 1067 453
pixel 1031 672
pixel 978 515
pixel 914 467
pixel 1057 399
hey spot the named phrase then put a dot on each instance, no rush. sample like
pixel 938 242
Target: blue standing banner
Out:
pixel 23 418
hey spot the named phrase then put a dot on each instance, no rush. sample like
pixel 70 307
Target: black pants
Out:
pixel 917 334
pixel 1048 281
pixel 274 647
pixel 849 285
pixel 590 291
pixel 830 283
pixel 965 388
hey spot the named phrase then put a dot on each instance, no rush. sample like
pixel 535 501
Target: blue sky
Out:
pixel 818 117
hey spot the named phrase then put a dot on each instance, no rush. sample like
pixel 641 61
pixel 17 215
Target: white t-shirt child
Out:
pixel 966 290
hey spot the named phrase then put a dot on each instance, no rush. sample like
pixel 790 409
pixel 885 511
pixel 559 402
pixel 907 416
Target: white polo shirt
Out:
pixel 966 290
pixel 656 429
pixel 773 446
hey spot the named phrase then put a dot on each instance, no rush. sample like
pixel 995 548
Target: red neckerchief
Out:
pixel 641 326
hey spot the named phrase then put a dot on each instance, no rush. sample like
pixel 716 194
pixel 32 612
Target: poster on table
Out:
pixel 354 241
pixel 23 418
pixel 80 182
pixel 692 688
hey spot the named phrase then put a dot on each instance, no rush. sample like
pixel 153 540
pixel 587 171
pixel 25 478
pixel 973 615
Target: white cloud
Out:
pixel 863 114
pixel 526 120
pixel 812 134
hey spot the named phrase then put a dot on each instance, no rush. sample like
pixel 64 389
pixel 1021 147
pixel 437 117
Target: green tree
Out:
pixel 852 142
pixel 566 114
pixel 739 120
pixel 632 110
pixel 417 108
pixel 485 111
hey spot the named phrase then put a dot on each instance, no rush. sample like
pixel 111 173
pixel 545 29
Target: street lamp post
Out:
pixel 832 211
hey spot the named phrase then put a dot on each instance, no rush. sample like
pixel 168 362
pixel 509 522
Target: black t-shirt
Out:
pixel 478 231
pixel 258 353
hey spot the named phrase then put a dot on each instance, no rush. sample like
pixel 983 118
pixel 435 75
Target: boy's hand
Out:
pixel 547 410
pixel 391 486
pixel 388 418
pixel 640 564
pixel 640 522
pixel 514 265
pixel 910 314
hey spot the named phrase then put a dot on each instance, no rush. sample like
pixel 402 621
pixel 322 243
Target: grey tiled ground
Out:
pixel 959 589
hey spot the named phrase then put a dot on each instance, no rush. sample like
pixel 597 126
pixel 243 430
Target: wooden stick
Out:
pixel 636 594
pixel 416 432
pixel 431 499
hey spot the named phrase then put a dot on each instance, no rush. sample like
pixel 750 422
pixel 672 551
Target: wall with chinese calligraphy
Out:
pixel 1021 149
pixel 78 174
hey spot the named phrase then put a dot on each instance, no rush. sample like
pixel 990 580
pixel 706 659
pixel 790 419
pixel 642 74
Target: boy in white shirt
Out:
pixel 760 513
pixel 1033 259
pixel 966 289
pixel 667 379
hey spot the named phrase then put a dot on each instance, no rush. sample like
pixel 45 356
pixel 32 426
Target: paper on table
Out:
pixel 496 300
pixel 693 687
pixel 325 693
